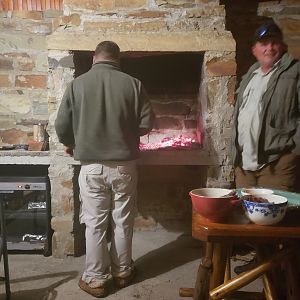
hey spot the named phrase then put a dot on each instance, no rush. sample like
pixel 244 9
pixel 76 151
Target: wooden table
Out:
pixel 276 245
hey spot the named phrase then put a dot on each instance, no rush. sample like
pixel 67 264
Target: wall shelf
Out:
pixel 149 157
pixel 23 157
pixel 177 157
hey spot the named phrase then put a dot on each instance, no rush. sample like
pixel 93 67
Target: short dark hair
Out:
pixel 108 49
pixel 269 29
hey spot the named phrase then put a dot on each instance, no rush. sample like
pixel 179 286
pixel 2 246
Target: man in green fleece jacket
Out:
pixel 100 119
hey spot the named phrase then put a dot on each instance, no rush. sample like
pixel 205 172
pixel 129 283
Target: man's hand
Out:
pixel 69 150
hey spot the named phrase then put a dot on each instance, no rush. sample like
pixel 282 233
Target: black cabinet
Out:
pixel 27 211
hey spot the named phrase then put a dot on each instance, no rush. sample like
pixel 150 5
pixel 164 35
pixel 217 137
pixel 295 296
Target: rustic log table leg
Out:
pixel 228 267
pixel 291 269
pixel 200 292
pixel 228 264
pixel 269 288
pixel 218 264
pixel 269 280
pixel 245 278
pixel 186 292
pixel 203 274
pixel 211 271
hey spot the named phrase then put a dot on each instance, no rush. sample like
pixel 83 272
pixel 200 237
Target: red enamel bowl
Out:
pixel 214 204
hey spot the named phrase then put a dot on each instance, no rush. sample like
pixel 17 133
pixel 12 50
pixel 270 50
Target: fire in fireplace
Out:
pixel 172 80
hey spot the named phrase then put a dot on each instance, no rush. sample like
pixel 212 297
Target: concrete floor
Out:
pixel 165 262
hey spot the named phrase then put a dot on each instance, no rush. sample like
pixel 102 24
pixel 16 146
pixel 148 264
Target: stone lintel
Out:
pixel 145 41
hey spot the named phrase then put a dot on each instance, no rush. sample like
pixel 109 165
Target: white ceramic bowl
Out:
pixel 268 213
pixel 256 191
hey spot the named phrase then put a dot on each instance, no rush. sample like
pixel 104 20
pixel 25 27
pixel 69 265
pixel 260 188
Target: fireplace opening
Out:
pixel 172 81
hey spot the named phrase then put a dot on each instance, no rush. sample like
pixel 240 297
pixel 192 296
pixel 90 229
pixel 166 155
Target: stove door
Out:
pixel 26 219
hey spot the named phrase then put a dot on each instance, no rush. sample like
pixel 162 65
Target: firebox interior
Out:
pixel 172 80
pixel 164 73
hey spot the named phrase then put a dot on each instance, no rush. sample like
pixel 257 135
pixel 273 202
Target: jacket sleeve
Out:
pixel 146 119
pixel 63 122
pixel 296 150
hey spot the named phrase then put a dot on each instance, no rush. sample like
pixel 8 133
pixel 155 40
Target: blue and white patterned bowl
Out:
pixel 268 213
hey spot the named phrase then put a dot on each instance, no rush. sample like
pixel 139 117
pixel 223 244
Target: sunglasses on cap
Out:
pixel 268 30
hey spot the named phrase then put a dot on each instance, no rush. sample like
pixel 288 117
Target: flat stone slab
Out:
pixel 205 40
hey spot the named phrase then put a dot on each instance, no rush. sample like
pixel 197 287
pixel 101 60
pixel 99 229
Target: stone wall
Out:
pixel 287 15
pixel 243 17
pixel 144 27
pixel 23 73
pixel 36 61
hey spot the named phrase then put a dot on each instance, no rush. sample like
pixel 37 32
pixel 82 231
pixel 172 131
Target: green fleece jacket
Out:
pixel 101 114
pixel 279 131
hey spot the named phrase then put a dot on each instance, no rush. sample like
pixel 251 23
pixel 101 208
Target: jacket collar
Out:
pixel 106 65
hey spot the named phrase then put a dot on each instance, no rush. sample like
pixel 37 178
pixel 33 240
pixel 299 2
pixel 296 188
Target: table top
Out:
pixel 238 228
pixel 293 198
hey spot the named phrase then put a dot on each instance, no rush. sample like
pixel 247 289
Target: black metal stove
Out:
pixel 27 213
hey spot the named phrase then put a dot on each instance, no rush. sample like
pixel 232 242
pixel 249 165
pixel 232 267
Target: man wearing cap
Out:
pixel 267 115
pixel 267 118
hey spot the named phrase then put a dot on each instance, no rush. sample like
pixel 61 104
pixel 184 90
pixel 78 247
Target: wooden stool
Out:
pixel 213 278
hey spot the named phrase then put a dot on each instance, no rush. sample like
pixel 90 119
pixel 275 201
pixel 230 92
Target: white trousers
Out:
pixel 108 197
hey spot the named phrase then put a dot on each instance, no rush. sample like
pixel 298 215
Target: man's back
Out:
pixel 108 108
pixel 101 116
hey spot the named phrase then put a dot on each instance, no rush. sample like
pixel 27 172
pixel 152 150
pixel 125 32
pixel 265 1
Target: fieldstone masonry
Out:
pixel 36 64
pixel 137 26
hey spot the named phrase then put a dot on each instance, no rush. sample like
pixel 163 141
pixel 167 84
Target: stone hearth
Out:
pixel 38 77
pixel 210 163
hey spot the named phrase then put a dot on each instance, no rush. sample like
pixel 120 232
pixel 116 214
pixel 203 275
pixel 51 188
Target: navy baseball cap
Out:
pixel 267 30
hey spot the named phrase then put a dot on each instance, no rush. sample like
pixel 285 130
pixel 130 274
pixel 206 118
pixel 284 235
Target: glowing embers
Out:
pixel 179 142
